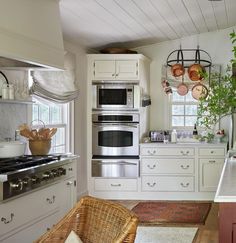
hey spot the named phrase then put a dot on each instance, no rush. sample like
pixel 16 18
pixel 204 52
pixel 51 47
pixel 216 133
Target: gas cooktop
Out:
pixel 25 173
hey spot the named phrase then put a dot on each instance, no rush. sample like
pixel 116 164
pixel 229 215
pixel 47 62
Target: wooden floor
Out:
pixel 207 233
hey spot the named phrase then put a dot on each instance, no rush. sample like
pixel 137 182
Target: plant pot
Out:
pixel 39 147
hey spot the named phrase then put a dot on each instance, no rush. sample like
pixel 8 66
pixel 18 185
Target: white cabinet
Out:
pixel 211 161
pixel 26 218
pixel 188 171
pixel 115 70
pixel 167 169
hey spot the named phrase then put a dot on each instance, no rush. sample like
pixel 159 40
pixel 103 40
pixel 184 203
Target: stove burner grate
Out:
pixel 26 161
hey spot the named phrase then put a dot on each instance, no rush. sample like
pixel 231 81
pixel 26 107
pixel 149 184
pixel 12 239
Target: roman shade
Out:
pixel 57 86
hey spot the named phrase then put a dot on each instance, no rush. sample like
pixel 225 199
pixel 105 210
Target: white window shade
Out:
pixel 57 86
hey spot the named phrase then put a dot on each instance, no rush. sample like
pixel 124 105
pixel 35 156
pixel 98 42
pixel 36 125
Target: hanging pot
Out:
pixel 182 88
pixel 195 71
pixel 199 90
pixel 178 69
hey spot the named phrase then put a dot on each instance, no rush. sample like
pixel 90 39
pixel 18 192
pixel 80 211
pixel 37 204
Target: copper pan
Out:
pixel 178 69
pixel 195 72
pixel 199 90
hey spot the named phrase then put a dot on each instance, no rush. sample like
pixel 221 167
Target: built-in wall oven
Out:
pixel 116 96
pixel 115 134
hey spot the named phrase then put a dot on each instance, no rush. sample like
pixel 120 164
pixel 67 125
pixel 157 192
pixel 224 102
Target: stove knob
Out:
pixel 35 180
pixel 17 184
pixel 26 181
pixel 55 173
pixel 46 175
pixel 61 171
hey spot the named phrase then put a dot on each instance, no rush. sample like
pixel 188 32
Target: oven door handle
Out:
pixel 115 163
pixel 115 124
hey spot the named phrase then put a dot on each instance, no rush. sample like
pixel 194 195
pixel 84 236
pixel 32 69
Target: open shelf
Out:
pixel 27 102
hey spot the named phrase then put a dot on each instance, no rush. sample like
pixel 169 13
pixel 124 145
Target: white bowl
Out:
pixel 12 149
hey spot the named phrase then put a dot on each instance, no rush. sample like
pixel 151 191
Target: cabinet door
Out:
pixel 104 70
pixel 68 187
pixel 127 69
pixel 210 170
pixel 34 231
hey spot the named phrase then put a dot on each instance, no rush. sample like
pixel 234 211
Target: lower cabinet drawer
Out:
pixel 211 152
pixel 25 209
pixel 115 184
pixel 167 183
pixel 167 166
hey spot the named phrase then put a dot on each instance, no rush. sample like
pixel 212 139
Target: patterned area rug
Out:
pixel 157 212
pixel 165 234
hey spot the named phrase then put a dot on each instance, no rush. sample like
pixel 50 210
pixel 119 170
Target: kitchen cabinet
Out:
pixel 25 218
pixel 116 70
pixel 188 171
pixel 120 67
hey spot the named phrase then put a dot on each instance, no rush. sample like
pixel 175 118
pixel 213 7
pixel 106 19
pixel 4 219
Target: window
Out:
pixel 183 110
pixel 53 115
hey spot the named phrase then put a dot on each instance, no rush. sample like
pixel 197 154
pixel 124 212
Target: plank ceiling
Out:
pixel 131 23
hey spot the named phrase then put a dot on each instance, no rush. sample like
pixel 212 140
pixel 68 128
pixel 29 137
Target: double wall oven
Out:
pixel 115 130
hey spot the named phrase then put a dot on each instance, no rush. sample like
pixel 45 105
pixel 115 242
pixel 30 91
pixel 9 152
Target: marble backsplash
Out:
pixel 11 116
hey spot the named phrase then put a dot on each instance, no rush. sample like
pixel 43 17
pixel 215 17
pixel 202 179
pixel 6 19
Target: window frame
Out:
pixel 169 108
pixel 68 122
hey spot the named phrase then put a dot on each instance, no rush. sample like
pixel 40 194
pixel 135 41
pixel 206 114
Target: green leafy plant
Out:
pixel 221 99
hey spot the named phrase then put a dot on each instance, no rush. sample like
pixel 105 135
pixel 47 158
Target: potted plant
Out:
pixel 221 99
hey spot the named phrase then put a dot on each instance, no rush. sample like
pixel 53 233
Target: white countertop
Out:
pixel 185 143
pixel 226 191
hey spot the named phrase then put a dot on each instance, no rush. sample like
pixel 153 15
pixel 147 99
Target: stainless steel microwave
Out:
pixel 116 96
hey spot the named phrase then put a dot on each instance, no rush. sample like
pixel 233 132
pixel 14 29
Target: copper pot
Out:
pixel 195 72
pixel 177 70
pixel 199 90
pixel 182 88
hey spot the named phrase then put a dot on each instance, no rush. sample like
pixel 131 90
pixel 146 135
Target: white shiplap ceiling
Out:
pixel 131 23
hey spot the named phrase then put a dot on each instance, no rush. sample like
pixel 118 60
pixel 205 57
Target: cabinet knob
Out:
pixel 212 161
pixel 184 185
pixel 113 75
pixel 151 184
pixel 52 200
pixel 5 221
pixel 151 152
pixel 69 183
pixel 115 185
pixel 151 167
pixel 184 167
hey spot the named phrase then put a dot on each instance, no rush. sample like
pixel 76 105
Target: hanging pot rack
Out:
pixel 178 56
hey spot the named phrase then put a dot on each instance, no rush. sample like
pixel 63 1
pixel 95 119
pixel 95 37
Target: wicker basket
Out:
pixel 39 147
pixel 95 221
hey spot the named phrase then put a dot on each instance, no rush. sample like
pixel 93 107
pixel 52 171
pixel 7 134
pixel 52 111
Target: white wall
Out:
pixel 80 115
pixel 217 44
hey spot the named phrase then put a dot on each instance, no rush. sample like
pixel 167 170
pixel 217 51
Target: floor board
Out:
pixel 207 233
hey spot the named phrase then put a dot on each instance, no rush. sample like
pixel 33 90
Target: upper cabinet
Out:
pixel 123 67
pixel 116 70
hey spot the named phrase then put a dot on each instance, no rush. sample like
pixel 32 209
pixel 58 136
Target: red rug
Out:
pixel 172 212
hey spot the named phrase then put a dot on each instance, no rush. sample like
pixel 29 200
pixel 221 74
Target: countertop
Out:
pixel 184 143
pixel 226 190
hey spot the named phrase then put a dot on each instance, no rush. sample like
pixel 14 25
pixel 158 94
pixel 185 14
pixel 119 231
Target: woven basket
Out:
pixel 95 221
pixel 39 147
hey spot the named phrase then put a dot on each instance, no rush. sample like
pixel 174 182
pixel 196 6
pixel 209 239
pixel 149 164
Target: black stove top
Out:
pixel 26 161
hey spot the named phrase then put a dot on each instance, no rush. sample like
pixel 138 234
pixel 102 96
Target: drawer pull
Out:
pixel 115 185
pixel 5 221
pixel 151 152
pixel 184 185
pixel 70 169
pixel 184 153
pixel 113 75
pixel 151 167
pixel 212 161
pixel 212 151
pixel 51 201
pixel 184 167
pixel 151 185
